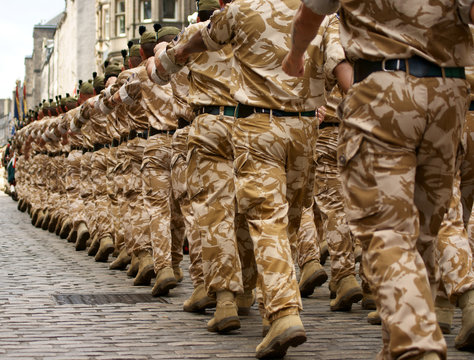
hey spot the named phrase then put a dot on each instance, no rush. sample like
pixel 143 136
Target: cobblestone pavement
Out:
pixel 37 267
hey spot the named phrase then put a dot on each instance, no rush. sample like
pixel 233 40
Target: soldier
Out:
pixel 402 122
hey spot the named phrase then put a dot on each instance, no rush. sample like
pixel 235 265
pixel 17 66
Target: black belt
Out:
pixel 154 131
pixel 244 111
pixel 123 139
pixel 76 148
pixel 98 147
pixel 418 67
pixel 328 124
pixel 86 150
pixel 115 143
pixel 471 107
pixel 215 110
pixel 182 123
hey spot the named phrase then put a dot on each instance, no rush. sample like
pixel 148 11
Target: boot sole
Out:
pixel 145 277
pixel 103 256
pixel 345 304
pixel 200 305
pixel 279 346
pixel 317 279
pixel 164 287
pixel 225 325
pixel 82 241
pixel 467 342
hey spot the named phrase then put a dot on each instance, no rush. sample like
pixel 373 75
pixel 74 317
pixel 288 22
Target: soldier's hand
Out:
pixel 293 65
pixel 160 47
pixel 321 114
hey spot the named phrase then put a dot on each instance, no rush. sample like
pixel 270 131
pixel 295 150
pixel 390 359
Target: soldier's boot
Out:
pixel 133 269
pixel 265 326
pixel 465 339
pixel 284 332
pixel 165 281
pixel 178 274
pixel 25 206
pixel 122 260
pixel 348 292
pixel 312 275
pixel 34 216
pixel 46 221
pixel 72 237
pixel 105 249
pixel 199 301
pixel 53 223
pixel 358 254
pixel 368 301
pixel 444 314
pixel 82 236
pixel 59 226
pixel 324 251
pixel 29 209
pixel 39 219
pixel 145 269
pixel 20 204
pixel 65 229
pixel 332 289
pixel 373 318
pixel 225 317
pixel 245 301
pixel 94 246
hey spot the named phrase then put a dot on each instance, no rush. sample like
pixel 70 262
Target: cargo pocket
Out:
pixel 355 162
pixel 178 176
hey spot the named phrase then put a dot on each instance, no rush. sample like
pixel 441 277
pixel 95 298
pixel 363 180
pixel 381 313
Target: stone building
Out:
pixel 118 21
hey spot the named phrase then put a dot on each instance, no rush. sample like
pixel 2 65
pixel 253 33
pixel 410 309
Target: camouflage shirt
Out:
pixel 260 34
pixel 155 101
pixel 390 29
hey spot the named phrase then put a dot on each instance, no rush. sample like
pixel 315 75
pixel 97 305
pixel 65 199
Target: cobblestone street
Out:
pixel 39 271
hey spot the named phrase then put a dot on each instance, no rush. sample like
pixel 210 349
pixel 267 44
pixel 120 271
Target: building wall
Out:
pixel 116 27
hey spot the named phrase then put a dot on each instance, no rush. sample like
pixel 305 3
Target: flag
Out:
pixel 16 107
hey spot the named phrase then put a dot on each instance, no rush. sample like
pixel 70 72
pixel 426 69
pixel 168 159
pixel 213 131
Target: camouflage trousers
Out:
pixel 467 167
pixel 87 193
pixel 113 169
pixel 122 172
pixel 180 193
pixel 397 174
pixel 453 251
pixel 21 177
pixel 156 176
pixel 139 236
pixel 273 185
pixel 42 182
pixel 102 216
pixel 73 187
pixel 210 186
pixel 307 248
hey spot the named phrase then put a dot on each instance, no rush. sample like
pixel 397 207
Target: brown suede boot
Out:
pixel 444 314
pixel 65 229
pixel 225 317
pixel 94 246
pixel 178 274
pixel 165 281
pixel 82 236
pixel 465 339
pixel 373 318
pixel 284 332
pixel 199 301
pixel 145 269
pixel 39 219
pixel 348 292
pixel 46 221
pixel 244 302
pixel 53 223
pixel 368 301
pixel 105 249
pixel 133 269
pixel 312 275
pixel 123 259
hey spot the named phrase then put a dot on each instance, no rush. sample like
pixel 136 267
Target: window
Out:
pixel 106 23
pixel 170 10
pixel 120 18
pixel 145 11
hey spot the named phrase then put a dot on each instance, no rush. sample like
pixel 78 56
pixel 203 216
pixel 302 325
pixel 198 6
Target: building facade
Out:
pixel 118 21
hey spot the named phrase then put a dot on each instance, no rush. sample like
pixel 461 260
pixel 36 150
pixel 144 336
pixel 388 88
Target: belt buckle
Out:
pixel 389 70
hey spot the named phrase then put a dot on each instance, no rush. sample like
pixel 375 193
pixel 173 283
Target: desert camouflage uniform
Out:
pixel 157 105
pixel 397 154
pixel 273 154
pixel 210 182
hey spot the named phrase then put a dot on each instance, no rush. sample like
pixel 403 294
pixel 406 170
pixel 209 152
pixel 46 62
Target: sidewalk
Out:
pixel 40 273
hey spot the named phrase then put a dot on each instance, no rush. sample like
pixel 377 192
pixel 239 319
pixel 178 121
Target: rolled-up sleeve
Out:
pixel 322 7
pixel 333 50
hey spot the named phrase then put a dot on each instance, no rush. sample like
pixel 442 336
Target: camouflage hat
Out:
pixel 208 5
pixel 146 36
pixel 99 81
pixel 167 30
pixel 86 88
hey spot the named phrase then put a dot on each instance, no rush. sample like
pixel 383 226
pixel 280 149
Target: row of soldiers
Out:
pixel 201 135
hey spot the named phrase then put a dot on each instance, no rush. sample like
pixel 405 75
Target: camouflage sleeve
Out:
pixel 220 31
pixel 333 50
pixel 130 91
pixel 167 57
pixel 322 7
pixel 464 10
